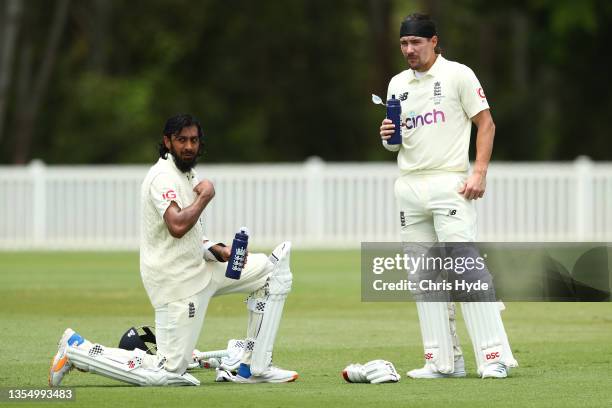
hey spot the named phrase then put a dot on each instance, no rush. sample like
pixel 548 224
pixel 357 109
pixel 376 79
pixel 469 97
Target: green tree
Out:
pixel 93 81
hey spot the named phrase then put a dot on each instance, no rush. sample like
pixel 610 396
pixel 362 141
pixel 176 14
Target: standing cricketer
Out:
pixel 440 100
pixel 181 271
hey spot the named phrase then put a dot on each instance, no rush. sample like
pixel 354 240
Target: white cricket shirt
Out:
pixel 436 116
pixel 171 268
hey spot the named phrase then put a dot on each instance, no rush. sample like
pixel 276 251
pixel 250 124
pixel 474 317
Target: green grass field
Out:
pixel 564 350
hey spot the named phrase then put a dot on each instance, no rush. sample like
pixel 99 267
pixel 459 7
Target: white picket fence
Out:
pixel 314 204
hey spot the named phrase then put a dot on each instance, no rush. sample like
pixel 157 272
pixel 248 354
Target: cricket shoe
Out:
pixel 60 366
pixel 495 370
pixel 429 372
pixel 271 375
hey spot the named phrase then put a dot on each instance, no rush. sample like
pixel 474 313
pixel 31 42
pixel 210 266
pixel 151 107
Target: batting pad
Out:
pixel 486 329
pixel 256 304
pixel 279 286
pixel 124 366
pixel 437 338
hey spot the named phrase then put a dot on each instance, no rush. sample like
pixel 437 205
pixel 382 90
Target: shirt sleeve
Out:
pixel 163 191
pixel 391 148
pixel 471 94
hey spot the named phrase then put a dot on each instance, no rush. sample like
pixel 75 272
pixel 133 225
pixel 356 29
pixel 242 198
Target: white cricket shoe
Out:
pixel 495 370
pixel 60 366
pixel 429 372
pixel 271 375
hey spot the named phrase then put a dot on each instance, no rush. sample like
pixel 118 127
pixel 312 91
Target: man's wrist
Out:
pixel 480 169
pixel 211 253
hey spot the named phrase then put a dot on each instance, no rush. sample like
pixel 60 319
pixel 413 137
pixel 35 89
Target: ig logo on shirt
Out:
pixel 169 195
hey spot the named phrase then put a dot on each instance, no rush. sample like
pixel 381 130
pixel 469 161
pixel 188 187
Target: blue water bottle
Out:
pixel 237 257
pixel 394 111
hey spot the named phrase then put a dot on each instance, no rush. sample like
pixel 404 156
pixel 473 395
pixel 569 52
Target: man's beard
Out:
pixel 184 165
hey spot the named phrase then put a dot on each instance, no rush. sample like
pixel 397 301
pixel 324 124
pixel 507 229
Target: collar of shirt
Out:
pixel 433 71
pixel 169 164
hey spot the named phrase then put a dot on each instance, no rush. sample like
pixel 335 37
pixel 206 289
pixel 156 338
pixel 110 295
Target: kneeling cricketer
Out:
pixel 181 271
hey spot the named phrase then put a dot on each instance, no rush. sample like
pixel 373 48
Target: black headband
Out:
pixel 418 28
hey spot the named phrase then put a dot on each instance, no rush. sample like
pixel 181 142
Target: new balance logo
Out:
pixel 452 212
pixel 402 219
pixel 191 309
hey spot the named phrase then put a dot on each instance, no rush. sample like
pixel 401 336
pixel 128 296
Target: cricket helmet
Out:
pixel 142 338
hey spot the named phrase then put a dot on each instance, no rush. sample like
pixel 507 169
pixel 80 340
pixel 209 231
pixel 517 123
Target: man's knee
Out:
pixel 179 327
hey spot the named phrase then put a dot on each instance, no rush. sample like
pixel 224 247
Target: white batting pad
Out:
pixel 125 366
pixel 452 323
pixel 436 333
pixel 486 329
pixel 279 285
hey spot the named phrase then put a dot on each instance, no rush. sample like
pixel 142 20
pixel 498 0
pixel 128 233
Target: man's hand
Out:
pixel 205 188
pixel 387 128
pixel 474 187
pixel 222 252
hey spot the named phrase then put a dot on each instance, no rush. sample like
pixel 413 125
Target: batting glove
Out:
pixel 381 371
pixel 373 372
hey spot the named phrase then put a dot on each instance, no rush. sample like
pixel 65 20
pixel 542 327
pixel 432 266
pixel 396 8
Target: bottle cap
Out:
pixel 244 230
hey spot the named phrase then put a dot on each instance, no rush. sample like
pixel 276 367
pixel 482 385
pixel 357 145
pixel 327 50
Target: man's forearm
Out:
pixel 182 220
pixel 484 147
pixel 190 214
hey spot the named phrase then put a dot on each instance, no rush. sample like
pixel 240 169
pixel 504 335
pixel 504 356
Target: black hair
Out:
pixel 174 125
pixel 425 18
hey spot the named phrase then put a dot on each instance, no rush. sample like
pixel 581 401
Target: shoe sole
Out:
pixel 495 376
pixel 56 365
pixel 250 381
pixel 435 376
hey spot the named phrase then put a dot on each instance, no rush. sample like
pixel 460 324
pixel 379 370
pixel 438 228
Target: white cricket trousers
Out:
pixel 432 210
pixel 178 324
